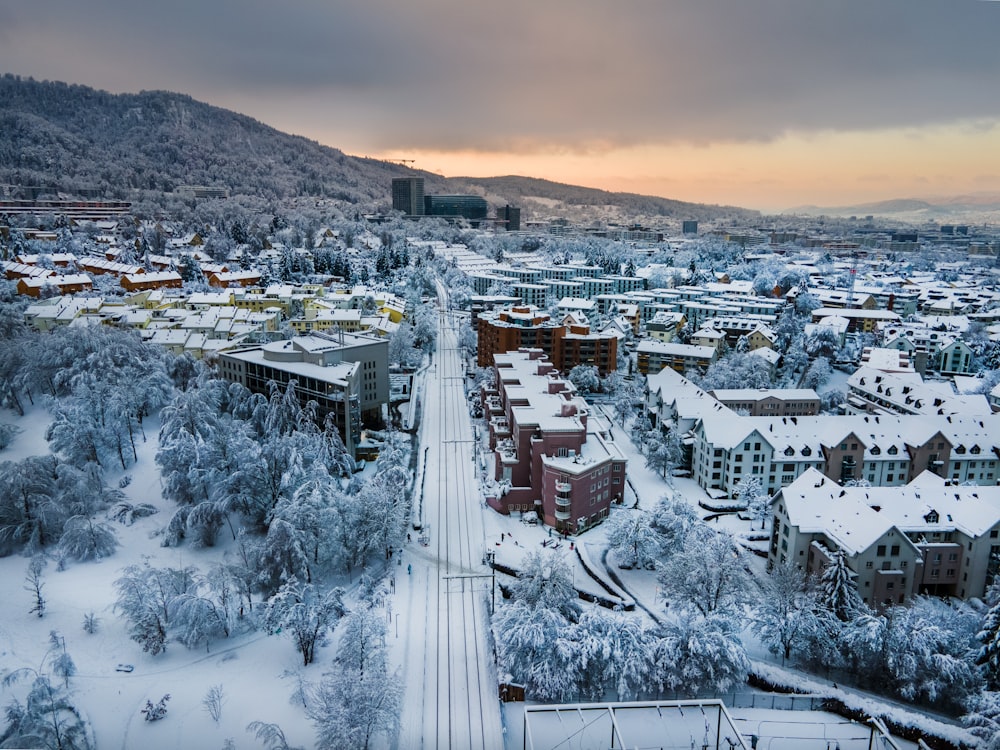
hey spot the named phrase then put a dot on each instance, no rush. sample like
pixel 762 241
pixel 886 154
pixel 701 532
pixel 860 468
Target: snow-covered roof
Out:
pixel 855 517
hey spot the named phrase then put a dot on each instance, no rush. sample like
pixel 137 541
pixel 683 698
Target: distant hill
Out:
pixel 976 208
pixel 80 141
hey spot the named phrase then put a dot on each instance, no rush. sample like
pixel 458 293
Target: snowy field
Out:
pixel 256 671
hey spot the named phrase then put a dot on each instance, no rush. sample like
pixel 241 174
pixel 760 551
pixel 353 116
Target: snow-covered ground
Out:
pixel 437 609
pixel 251 669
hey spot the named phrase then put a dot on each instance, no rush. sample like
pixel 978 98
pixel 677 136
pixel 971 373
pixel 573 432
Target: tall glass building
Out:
pixel 408 195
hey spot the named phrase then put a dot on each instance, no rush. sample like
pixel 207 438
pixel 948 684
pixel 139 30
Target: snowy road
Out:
pixel 451 686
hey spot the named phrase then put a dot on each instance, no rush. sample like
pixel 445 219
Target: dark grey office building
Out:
pixel 408 195
pixel 470 207
pixel 510 217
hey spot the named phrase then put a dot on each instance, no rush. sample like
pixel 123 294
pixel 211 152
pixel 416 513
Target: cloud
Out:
pixel 583 75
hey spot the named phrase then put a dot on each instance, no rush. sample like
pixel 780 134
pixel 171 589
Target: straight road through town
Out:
pixel 450 677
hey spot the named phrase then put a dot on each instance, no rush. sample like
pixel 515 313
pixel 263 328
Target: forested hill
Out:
pixel 84 142
pixel 112 145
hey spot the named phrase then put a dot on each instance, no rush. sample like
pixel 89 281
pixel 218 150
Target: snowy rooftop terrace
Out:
pixel 528 393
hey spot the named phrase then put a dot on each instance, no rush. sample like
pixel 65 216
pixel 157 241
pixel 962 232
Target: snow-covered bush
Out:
pixel 157 712
pixel 127 513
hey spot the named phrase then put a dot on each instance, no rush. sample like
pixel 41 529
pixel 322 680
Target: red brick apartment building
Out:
pixel 552 456
pixel 566 346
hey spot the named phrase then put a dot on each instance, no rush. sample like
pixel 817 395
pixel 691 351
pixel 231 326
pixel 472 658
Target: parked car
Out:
pixel 124 668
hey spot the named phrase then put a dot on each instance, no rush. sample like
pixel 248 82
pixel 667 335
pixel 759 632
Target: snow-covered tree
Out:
pixel 305 613
pixel 46 719
pixel 748 487
pixel 61 664
pixel 351 709
pixel 203 524
pixel 818 373
pixel 709 575
pixel 983 719
pixel 663 452
pixel 535 645
pixel 632 539
pixel 586 378
pixel 84 539
pixel 673 519
pixel 270 735
pixel 821 341
pixel 697 654
pixel 612 650
pixel 837 591
pixel 786 612
pixel 197 616
pixel 144 599
pixel 545 581
pixel 30 514
pixel 282 556
pixel 34 584
pixel 736 370
pixel 989 636
pixel 155 712
pixel 126 513
pixel 362 642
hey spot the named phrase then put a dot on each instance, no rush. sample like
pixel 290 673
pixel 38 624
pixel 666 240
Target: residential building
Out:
pixel 769 402
pixel 922 538
pixel 873 391
pixel 566 346
pixel 347 376
pixel 552 455
pixel 653 356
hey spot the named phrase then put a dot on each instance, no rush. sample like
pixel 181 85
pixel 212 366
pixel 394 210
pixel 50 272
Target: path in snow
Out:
pixel 450 677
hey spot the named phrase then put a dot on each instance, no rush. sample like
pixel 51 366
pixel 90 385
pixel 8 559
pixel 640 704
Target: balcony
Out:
pixel 563 487
pixel 563 515
pixel 563 502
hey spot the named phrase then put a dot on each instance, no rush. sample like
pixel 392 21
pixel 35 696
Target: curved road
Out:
pixel 451 686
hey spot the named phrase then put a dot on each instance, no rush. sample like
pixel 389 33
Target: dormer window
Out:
pixel 960 450
pixel 932 517
pixel 807 451
pixel 789 451
pixel 876 450
pixel 893 450
pixel 976 450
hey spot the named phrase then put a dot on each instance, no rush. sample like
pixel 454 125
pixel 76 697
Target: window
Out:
pixel 880 551
pixel 894 550
pixel 869 565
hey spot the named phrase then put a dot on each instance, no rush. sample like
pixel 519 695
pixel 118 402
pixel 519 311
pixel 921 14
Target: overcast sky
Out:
pixel 764 103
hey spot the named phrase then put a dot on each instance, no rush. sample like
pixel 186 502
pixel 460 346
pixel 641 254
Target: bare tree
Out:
pixel 213 701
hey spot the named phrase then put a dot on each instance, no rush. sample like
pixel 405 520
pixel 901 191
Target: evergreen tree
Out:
pixel 989 636
pixel 837 592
